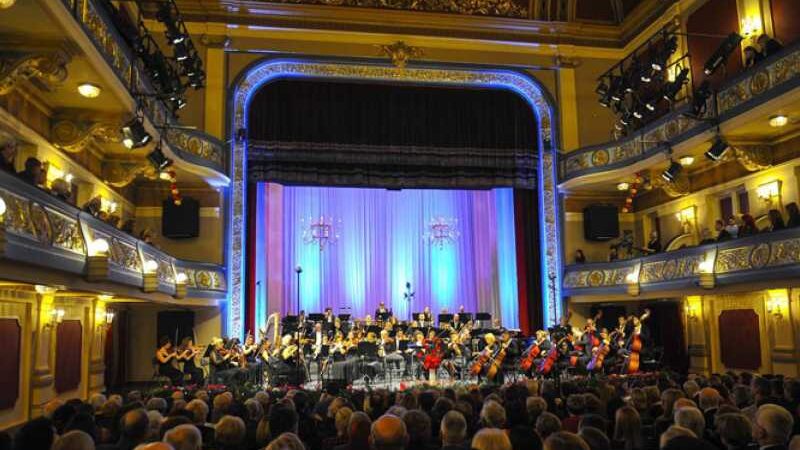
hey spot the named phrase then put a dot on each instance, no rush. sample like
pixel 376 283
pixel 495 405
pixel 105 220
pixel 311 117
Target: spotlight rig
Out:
pixel 671 172
pixel 717 150
pixel 722 53
pixel 183 50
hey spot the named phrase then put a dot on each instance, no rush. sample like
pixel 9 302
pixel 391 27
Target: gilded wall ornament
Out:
pixel 754 157
pixel 122 173
pixel 75 137
pixel 503 8
pixel 400 53
pixel 47 68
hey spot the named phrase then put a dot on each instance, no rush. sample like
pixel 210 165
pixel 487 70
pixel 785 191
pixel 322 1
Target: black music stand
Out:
pixel 464 317
pixel 384 316
pixel 316 317
pixel 445 318
pixel 344 317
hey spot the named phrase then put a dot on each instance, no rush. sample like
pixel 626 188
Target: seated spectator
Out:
pixel 735 431
pixel 453 431
pixel 184 437
pixel 596 439
pixel 575 407
pixel 93 205
pixel 74 440
pixel 794 215
pixel 491 439
pixel 8 154
pixel 769 46
pixel 127 226
pixel 687 443
pixel 33 173
pixel 135 426
pixel 389 433
pixel 580 258
pixel 775 220
pixel 748 227
pixel 547 424
pixel 535 406
pixel 564 440
pixel 654 244
pixel 628 429
pixel 732 227
pixel 613 254
pixel 358 432
pixel 418 427
pixel 286 441
pixel 524 438
pixel 230 433
pixel 708 401
pixel 38 434
pixel 493 415
pixel 752 56
pixel 722 234
pixel 672 432
pixel 772 427
pixel 691 418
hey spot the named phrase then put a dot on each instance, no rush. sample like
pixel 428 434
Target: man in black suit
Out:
pixel 453 431
pixel 772 427
pixel 708 400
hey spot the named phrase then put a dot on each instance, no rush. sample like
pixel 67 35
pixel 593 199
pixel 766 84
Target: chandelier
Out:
pixel 321 231
pixel 442 231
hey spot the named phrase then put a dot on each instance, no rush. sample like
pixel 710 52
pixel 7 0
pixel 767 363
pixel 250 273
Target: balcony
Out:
pixel 743 263
pixel 773 77
pixel 41 232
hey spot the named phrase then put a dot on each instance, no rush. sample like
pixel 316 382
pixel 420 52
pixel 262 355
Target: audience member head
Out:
pixel 389 433
pixel 184 437
pixel 491 439
pixel 734 430
pixel 524 438
pixel 157 404
pixel 286 441
pixel 595 438
pixel 668 399
pixel 199 410
pixel 773 425
pixel 575 404
pixel 708 398
pixel 38 434
pixel 283 419
pixel 672 432
pixel 628 428
pixel 342 420
pixel 547 424
pixel 229 432
pixel 418 427
pixel 691 418
pixel 535 407
pixel 134 425
pixel 594 421
pixel 493 415
pixel 74 440
pixel 564 440
pixel 453 428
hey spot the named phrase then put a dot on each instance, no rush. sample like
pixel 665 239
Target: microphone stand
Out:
pixel 300 330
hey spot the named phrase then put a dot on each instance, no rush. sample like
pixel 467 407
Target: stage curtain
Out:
pixel 381 246
pixel 531 313
pixel 380 135
pixel 10 333
pixel 69 346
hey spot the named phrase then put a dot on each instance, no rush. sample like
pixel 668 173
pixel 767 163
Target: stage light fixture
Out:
pixel 722 53
pixel 660 62
pixel 778 121
pixel 674 87
pixel 637 114
pixel 672 171
pixel 718 149
pixel 158 159
pixel 134 134
pixel 700 98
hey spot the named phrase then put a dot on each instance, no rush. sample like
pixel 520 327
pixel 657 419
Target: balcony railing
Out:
pixel 43 231
pixel 772 77
pixel 761 258
pixel 195 147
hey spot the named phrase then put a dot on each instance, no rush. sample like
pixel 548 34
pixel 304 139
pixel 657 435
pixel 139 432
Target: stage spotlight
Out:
pixel 180 51
pixel 700 98
pixel 660 62
pixel 626 118
pixel 158 159
pixel 723 52
pixel 718 149
pixel 134 135
pixel 178 103
pixel 672 171
pixel 616 87
pixel 674 87
pixel 637 114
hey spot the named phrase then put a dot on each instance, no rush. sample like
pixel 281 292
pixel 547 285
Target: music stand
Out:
pixel 445 318
pixel 316 317
pixel 374 329
pixel 344 317
pixel 384 316
pixel 464 317
pixel 483 316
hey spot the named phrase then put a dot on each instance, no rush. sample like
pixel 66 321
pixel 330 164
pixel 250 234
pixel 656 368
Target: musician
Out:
pixel 634 343
pixel 427 317
pixel 166 358
pixel 187 352
pixel 250 360
pixel 653 245
pixel 329 322
pixel 381 310
pixel 221 360
pixel 388 349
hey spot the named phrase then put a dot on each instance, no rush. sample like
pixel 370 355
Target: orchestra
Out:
pixel 294 350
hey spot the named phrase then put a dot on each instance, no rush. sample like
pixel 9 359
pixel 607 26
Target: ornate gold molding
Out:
pixel 49 68
pixel 122 173
pixel 503 8
pixel 74 137
pixel 400 53
pixel 754 157
pixel 677 188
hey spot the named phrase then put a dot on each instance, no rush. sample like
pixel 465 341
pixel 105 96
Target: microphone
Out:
pixel 298 269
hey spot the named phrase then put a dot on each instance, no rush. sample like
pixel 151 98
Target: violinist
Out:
pixel 390 349
pixel 220 359
pixel 250 353
pixel 380 310
pixel 187 352
pixel 427 318
pixel 167 360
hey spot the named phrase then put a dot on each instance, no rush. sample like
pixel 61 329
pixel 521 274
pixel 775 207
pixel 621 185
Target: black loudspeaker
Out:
pixel 180 221
pixel 600 222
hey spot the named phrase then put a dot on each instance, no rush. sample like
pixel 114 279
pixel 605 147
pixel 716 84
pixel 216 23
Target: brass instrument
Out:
pixel 289 352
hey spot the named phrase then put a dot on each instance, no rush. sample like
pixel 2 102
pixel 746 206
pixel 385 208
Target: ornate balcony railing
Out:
pixel 772 77
pixel 195 147
pixel 43 231
pixel 766 257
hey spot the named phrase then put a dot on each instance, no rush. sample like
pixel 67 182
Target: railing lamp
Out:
pixel 150 276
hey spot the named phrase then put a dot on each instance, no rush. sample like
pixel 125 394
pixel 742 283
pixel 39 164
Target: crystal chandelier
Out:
pixel 442 231
pixel 321 231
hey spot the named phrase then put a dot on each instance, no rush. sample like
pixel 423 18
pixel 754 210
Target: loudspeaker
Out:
pixel 180 221
pixel 600 222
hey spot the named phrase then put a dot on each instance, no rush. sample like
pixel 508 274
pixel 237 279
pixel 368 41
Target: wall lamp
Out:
pixel 769 192
pixel 180 284
pixel 777 302
pixel 692 309
pixel 56 317
pixel 150 276
pixel 97 267
pixel 632 282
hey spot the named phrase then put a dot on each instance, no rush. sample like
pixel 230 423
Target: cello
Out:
pixel 596 363
pixel 527 362
pixel 477 367
pixel 497 361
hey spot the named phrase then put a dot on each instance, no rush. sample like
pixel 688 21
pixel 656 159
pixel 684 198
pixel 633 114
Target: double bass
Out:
pixel 636 345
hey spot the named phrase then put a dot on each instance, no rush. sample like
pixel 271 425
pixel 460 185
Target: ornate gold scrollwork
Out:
pixel 677 188
pixel 48 68
pixel 400 53
pixel 122 173
pixel 754 157
pixel 74 137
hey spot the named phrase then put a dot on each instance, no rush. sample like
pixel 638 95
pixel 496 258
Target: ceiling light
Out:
pixel 5 4
pixel 686 161
pixel 717 150
pixel 672 171
pixel 623 186
pixel 778 121
pixel 134 135
pixel 89 90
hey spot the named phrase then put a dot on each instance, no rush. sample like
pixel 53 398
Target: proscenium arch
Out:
pixel 264 71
